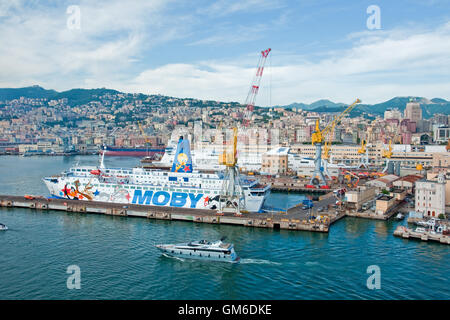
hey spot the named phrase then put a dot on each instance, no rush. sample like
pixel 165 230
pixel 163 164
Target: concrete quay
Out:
pixel 407 233
pixel 286 221
pixel 369 214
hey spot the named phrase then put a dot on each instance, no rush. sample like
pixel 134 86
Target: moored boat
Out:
pixel 399 216
pixel 181 187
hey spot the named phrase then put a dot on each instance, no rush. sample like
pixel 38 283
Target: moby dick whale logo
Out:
pixel 182 161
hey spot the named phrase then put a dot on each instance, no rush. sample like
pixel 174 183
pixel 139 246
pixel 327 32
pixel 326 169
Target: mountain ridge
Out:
pixel 79 96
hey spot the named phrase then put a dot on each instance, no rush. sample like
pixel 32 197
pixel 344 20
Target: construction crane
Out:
pixel 254 88
pixel 318 137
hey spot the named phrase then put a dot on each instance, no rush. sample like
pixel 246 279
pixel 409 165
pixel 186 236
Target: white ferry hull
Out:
pixel 182 187
pixel 90 190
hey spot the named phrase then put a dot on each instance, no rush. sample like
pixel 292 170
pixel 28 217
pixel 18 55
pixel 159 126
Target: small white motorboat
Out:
pixel 399 216
pixel 3 227
pixel 203 249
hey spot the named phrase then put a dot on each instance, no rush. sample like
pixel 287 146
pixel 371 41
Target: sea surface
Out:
pixel 117 258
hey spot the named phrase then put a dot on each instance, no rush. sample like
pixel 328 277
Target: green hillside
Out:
pixel 26 92
pixel 429 107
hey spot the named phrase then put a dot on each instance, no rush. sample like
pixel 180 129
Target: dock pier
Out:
pixel 284 221
pixel 407 233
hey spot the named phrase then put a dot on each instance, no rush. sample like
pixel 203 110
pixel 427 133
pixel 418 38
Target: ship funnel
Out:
pixel 182 161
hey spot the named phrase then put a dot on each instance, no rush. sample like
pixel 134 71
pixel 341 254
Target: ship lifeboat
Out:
pixel 29 197
pixel 95 172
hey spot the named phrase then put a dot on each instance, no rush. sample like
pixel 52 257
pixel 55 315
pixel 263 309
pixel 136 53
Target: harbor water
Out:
pixel 118 260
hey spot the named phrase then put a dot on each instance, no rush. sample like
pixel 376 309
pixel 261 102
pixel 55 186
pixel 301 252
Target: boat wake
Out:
pixel 172 257
pixel 259 261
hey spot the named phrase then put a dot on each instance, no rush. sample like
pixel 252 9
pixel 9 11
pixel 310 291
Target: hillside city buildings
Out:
pixel 277 143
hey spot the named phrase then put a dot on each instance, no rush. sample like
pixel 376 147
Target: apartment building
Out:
pixel 430 197
pixel 413 111
pixel 275 161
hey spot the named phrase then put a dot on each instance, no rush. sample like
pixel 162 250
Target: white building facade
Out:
pixel 430 197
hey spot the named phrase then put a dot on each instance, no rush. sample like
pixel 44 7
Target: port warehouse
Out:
pixel 291 221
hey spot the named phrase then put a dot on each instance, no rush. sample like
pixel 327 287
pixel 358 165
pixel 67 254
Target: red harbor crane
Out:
pixel 254 88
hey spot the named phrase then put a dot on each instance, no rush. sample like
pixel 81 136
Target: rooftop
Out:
pixel 410 178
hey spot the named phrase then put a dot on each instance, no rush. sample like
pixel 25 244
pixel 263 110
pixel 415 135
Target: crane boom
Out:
pixel 319 136
pixel 141 129
pixel 327 133
pixel 254 88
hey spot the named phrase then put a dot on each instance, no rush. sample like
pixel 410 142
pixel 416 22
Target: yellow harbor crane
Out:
pixel 320 137
pixel 328 142
pixel 228 157
pixel 141 129
pixel 387 153
pixel 362 149
pixel 364 152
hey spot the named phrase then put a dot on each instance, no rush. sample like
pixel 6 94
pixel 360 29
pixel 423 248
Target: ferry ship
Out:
pixel 180 187
pixel 203 249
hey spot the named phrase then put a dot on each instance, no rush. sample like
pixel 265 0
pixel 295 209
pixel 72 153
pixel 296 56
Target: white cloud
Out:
pixel 374 69
pixel 115 36
pixel 37 47
pixel 225 7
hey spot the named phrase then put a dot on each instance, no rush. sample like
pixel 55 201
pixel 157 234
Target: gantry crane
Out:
pixel 317 139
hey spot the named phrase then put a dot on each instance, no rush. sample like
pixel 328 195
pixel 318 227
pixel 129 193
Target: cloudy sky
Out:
pixel 321 49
